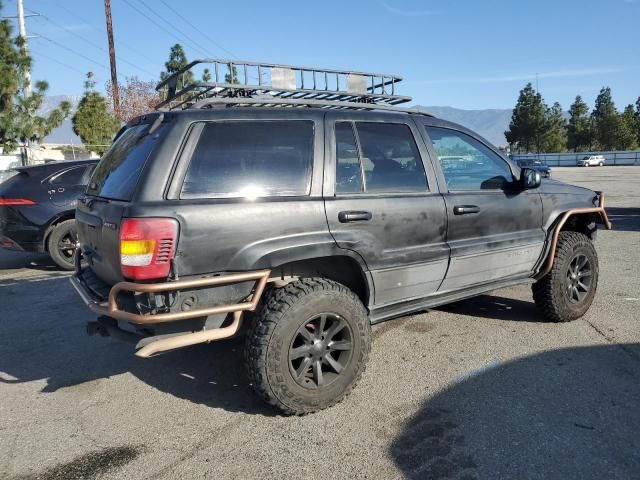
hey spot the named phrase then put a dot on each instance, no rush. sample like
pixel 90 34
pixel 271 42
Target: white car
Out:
pixel 592 161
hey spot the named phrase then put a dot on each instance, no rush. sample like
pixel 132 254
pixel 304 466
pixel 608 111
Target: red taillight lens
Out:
pixel 147 246
pixel 16 201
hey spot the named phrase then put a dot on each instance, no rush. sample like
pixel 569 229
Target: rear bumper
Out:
pixel 110 314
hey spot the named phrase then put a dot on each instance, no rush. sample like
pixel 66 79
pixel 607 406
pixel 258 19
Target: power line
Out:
pixel 63 64
pixel 93 44
pixel 101 65
pixel 159 25
pixel 120 42
pixel 198 30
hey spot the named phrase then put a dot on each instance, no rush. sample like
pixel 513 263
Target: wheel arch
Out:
pixel 58 219
pixel 580 220
pixel 342 268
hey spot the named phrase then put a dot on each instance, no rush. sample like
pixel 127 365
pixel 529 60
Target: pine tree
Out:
pixel 206 75
pixel 637 115
pixel 93 122
pixel 606 120
pixel 579 134
pixel 626 138
pixel 555 131
pixel 177 60
pixel 526 130
pixel 19 121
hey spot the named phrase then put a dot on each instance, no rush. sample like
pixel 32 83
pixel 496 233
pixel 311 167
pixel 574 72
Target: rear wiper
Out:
pixel 88 201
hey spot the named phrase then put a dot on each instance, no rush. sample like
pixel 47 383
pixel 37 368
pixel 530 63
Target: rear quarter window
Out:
pixel 251 159
pixel 117 174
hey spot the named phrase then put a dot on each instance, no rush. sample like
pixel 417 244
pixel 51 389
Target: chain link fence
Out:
pixel 571 159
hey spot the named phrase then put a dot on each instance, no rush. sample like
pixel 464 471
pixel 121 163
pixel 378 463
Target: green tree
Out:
pixel 527 126
pixel 206 75
pixel 93 122
pixel 627 130
pixel 19 120
pixel 177 60
pixel 637 115
pixel 555 131
pixel 232 76
pixel 606 120
pixel 579 133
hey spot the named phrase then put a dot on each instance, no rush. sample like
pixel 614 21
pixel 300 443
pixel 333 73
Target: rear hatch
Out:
pixel 109 193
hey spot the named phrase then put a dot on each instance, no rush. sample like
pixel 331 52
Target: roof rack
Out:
pixel 236 82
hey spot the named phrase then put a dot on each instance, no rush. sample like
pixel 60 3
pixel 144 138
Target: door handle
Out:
pixel 350 216
pixel 465 209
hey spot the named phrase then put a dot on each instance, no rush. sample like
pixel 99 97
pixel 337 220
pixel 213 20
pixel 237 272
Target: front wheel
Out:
pixel 567 291
pixel 308 347
pixel 601 164
pixel 61 244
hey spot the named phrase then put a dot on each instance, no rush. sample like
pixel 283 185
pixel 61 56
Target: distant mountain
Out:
pixel 490 123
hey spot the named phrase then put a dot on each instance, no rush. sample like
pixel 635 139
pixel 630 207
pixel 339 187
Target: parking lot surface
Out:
pixel 481 389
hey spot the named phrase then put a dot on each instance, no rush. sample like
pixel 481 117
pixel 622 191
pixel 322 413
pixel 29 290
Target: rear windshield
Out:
pixel 118 172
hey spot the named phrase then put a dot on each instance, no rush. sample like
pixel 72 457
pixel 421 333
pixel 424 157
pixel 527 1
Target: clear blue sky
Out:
pixel 463 53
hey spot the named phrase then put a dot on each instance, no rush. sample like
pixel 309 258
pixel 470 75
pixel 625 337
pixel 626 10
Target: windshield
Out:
pixel 117 174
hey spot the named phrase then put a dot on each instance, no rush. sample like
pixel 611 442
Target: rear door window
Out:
pixel 72 176
pixel 383 159
pixel 117 174
pixel 251 159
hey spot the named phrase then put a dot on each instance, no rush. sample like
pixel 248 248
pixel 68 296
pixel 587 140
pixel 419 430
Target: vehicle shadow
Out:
pixel 36 261
pixel 572 413
pixel 42 337
pixel 497 308
pixel 624 218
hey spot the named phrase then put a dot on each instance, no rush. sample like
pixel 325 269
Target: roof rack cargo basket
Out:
pixel 236 82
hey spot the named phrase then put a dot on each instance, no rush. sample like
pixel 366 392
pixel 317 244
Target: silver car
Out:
pixel 592 161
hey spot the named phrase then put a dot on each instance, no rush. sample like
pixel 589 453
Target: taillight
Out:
pixel 147 246
pixel 16 201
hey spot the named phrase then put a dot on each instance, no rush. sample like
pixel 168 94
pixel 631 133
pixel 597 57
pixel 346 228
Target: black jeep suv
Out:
pixel 313 223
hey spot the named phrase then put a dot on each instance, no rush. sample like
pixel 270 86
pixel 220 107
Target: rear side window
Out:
pixel 251 159
pixel 387 157
pixel 73 176
pixel 117 174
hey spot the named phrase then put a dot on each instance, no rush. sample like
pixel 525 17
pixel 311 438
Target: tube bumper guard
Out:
pixel 110 308
pixel 548 264
pixel 152 345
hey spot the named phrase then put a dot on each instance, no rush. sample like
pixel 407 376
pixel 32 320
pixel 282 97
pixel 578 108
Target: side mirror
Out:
pixel 529 178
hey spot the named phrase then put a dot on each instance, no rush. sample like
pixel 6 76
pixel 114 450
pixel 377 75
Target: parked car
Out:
pixel 592 161
pixel 197 218
pixel 37 208
pixel 537 165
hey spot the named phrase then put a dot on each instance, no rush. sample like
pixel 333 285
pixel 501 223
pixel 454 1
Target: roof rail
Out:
pixel 251 81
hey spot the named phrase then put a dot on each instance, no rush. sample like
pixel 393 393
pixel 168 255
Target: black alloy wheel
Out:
pixel 578 278
pixel 321 349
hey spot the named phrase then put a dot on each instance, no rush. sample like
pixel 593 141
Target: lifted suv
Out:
pixel 313 223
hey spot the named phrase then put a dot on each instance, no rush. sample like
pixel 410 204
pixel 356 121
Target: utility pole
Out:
pixel 23 35
pixel 112 59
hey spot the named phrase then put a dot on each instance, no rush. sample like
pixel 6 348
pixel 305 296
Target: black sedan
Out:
pixel 37 208
pixel 543 168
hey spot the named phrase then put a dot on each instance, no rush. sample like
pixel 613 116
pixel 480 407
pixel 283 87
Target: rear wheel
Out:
pixel 308 347
pixel 61 244
pixel 567 291
pixel 601 164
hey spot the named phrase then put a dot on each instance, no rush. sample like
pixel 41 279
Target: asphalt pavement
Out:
pixel 482 389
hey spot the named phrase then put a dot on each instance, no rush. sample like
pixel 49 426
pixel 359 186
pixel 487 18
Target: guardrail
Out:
pixel 571 159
